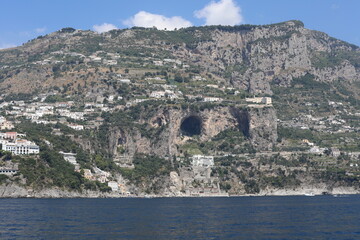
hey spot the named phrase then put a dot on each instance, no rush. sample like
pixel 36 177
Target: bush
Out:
pixel 252 187
pixel 3 178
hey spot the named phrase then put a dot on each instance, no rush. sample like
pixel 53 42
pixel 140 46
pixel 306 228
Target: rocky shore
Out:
pixel 15 191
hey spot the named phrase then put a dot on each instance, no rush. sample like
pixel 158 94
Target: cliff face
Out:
pixel 253 59
pixel 173 127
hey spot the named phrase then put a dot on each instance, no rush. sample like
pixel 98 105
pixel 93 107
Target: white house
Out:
pixel 76 127
pixel 6 125
pixel 114 186
pixel 212 99
pixel 263 100
pixel 158 63
pixel 202 161
pixel 21 147
pixel 70 157
pixel 157 94
pixel 127 81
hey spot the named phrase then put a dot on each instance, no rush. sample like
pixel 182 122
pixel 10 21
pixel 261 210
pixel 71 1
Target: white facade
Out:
pixel 21 147
pixel 114 186
pixel 8 172
pixel 157 94
pixel 69 157
pixel 202 161
pixel 212 99
pixel 77 127
pixel 263 100
pixel 6 125
pixel 158 63
pixel 125 80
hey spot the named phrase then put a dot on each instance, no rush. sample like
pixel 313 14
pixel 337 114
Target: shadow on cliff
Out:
pixel 243 120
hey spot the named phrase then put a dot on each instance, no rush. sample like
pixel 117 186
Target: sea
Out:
pixel 290 217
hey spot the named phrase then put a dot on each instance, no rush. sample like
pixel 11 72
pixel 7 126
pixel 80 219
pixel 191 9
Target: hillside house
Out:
pixel 202 161
pixel 76 127
pixel 259 100
pixel 6 125
pixel 157 94
pixel 21 147
pixel 69 157
pixel 212 99
pixel 114 186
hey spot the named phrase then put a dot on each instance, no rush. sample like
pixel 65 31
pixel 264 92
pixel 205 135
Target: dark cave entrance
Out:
pixel 191 126
pixel 243 120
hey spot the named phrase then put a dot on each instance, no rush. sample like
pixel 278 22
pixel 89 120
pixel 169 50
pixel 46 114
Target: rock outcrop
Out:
pixel 257 123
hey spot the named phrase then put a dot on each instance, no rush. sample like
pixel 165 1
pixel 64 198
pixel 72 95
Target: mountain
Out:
pixel 275 105
pixel 247 57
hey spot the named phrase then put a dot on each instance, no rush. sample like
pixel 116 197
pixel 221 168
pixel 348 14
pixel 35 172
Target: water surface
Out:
pixel 321 217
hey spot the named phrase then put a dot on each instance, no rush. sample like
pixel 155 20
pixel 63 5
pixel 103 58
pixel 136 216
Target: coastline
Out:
pixel 15 191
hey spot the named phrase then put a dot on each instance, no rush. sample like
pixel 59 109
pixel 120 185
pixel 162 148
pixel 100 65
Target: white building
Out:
pixel 76 127
pixel 263 100
pixel 158 63
pixel 202 161
pixel 6 125
pixel 21 147
pixel 157 94
pixel 70 157
pixel 111 98
pixel 114 186
pixel 8 172
pixel 127 81
pixel 212 99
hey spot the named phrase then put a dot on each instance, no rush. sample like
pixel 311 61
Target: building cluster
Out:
pixel 97 175
pixel 17 144
pixel 329 124
pixel 5 125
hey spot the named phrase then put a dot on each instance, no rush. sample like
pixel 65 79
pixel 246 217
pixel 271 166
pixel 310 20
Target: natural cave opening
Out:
pixel 191 126
pixel 243 119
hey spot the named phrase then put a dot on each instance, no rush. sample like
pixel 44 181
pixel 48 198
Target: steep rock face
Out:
pixel 345 71
pixel 263 125
pixel 171 130
pixel 252 59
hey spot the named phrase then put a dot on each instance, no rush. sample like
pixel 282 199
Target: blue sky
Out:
pixel 22 20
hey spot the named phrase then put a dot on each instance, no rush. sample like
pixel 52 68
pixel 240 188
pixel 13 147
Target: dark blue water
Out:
pixel 323 217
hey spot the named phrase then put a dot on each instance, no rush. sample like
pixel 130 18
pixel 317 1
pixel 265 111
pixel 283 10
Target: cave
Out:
pixel 191 126
pixel 243 120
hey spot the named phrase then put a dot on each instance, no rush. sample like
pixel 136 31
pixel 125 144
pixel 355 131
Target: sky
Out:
pixel 23 20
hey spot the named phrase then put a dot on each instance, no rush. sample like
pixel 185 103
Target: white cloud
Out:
pixel 40 30
pixel 145 19
pixel 224 12
pixel 105 27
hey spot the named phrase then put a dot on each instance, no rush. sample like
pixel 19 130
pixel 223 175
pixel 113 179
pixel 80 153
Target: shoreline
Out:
pixel 15 191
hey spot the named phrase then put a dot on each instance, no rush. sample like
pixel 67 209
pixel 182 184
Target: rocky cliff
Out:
pixel 165 130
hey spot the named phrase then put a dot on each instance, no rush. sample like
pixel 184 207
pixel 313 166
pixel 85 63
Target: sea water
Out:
pixel 291 217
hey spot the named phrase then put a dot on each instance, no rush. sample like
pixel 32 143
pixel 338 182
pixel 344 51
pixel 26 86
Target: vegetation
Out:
pixel 3 178
pixel 147 168
pixel 50 169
